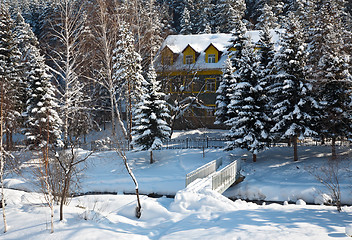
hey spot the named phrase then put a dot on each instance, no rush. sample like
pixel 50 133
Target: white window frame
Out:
pixel 189 59
pixel 211 58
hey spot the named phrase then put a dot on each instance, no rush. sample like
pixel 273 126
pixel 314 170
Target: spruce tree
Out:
pixel 151 116
pixel 329 66
pixel 223 94
pixel 237 41
pixel 201 17
pixel 267 18
pixel 10 74
pixel 247 106
pixel 42 117
pixel 227 14
pixel 266 70
pixel 26 41
pixel 185 24
pixel 295 110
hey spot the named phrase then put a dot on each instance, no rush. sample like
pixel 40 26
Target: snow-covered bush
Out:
pixel 301 202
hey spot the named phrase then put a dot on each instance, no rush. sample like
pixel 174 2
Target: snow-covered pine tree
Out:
pixel 267 17
pixel 247 106
pixel 329 65
pixel 201 16
pixel 295 110
pixel 266 55
pixel 185 24
pixel 10 74
pixel 43 119
pixel 223 94
pixel 127 72
pixel 25 40
pixel 151 116
pixel 176 7
pixel 237 41
pixel 227 14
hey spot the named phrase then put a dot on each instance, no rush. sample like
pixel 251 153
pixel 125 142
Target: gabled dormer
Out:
pixel 212 54
pixel 167 56
pixel 189 55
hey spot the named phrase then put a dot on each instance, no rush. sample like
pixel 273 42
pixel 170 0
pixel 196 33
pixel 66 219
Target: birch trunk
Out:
pixel 2 159
pixel 139 207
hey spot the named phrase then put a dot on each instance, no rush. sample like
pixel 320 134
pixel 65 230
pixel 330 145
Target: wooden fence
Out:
pixel 195 143
pixel 203 171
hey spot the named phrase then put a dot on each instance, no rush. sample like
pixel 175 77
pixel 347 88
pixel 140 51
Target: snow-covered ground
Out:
pixel 189 216
pixel 276 177
pixel 192 214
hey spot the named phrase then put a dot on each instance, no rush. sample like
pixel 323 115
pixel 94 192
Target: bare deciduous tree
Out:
pixel 104 38
pixel 121 152
pixel 68 161
pixel 329 176
pixel 67 59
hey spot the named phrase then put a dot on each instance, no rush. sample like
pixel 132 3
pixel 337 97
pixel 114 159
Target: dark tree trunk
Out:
pixel 151 157
pixel 254 157
pixel 139 207
pixel 333 148
pixel 295 153
pixel 63 198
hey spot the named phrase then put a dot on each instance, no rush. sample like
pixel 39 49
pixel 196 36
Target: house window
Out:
pixel 210 85
pixel 167 60
pixel 211 58
pixel 189 59
pixel 210 112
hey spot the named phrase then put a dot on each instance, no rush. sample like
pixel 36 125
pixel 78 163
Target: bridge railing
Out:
pixel 203 171
pixel 226 177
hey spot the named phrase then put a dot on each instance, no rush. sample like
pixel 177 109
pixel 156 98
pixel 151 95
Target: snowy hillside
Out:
pixel 191 214
pixel 195 212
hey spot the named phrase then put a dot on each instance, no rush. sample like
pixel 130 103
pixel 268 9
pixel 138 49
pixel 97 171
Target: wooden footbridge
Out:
pixel 220 180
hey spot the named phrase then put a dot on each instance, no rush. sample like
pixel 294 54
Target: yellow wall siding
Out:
pixel 234 49
pixel 189 51
pixel 212 50
pixel 191 73
pixel 165 55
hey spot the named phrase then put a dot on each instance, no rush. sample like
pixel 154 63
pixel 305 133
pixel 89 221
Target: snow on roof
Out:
pixel 200 42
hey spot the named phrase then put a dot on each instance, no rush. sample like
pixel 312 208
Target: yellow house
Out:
pixel 190 69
